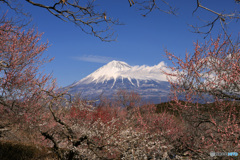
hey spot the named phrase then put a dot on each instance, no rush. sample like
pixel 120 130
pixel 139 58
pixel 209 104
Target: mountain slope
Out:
pixel 149 82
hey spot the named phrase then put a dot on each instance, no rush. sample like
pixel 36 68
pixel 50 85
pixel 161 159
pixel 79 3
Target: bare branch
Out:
pixel 223 18
pixel 148 6
pixel 85 16
pixel 131 2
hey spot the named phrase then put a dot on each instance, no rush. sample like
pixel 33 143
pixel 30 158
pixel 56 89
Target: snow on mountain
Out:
pixel 148 81
pixel 118 69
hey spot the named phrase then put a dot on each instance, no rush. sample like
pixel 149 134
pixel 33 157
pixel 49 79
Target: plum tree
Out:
pixel 212 70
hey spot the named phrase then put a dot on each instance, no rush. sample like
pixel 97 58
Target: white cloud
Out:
pixel 94 58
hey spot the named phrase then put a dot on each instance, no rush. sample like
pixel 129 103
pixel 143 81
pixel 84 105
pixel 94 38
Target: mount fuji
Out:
pixel 147 81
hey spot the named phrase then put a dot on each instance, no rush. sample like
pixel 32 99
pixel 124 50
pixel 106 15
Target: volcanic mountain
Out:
pixel 147 81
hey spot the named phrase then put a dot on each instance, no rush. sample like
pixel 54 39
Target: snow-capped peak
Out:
pixel 112 70
pixel 120 70
pixel 116 65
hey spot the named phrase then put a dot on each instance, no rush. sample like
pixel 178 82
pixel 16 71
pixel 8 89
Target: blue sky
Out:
pixel 141 41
